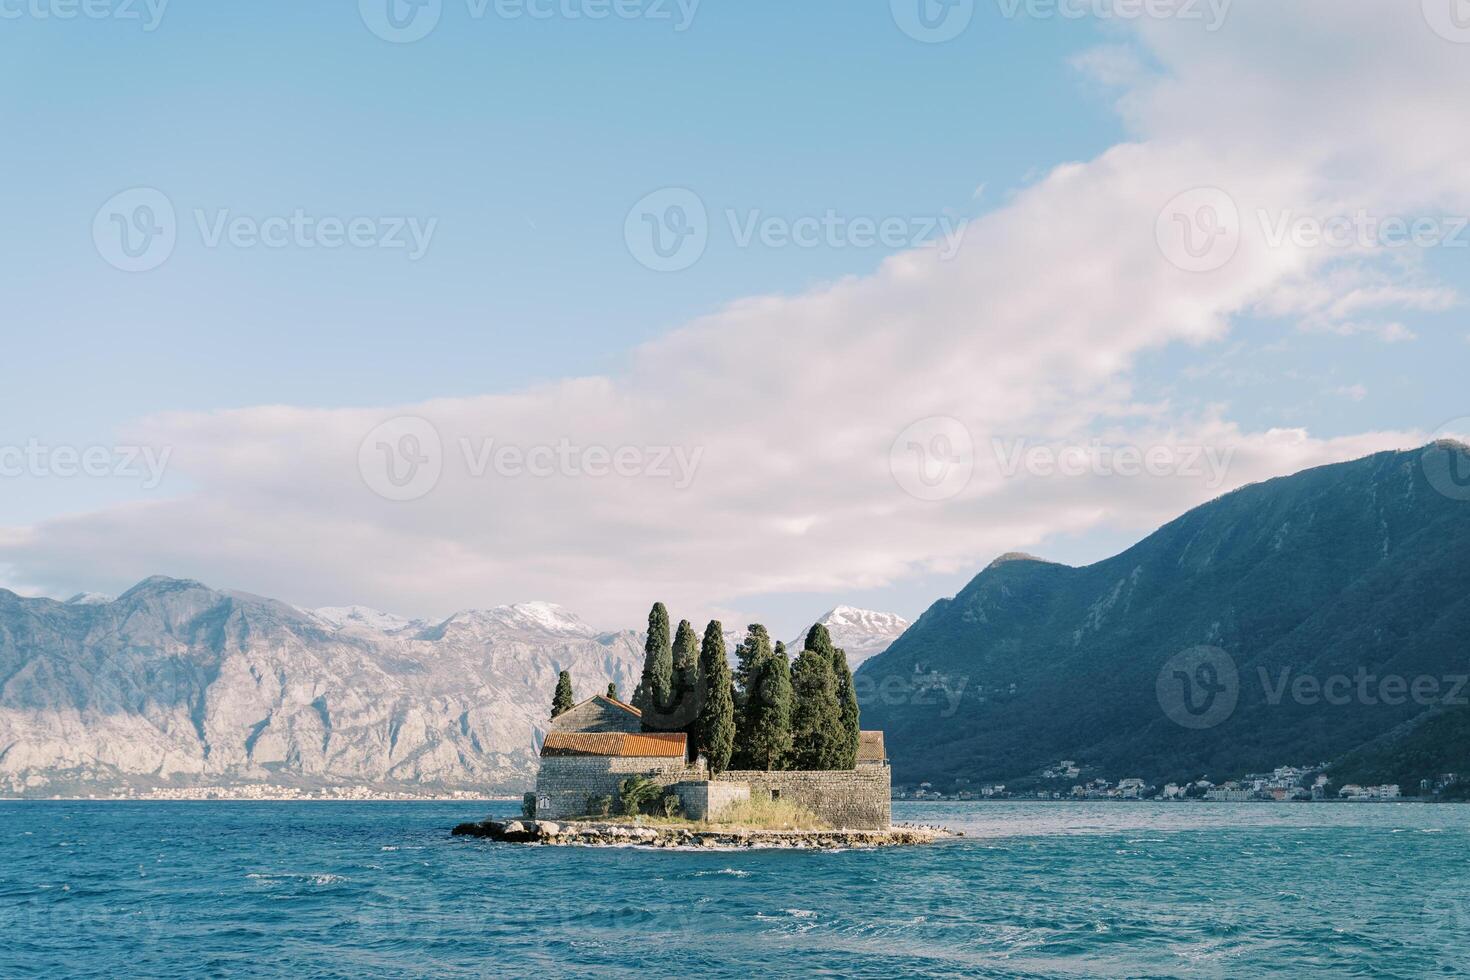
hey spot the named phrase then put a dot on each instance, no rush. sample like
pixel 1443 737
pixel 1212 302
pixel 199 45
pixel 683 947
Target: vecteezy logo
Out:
pixel 933 459
pixel 136 231
pixel 933 21
pixel 402 459
pixel 1199 688
pixel 1446 460
pixel 668 230
pixel 1199 230
pixel 401 21
pixel 1450 19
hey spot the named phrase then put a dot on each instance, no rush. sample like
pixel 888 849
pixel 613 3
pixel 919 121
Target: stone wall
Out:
pixel 859 799
pixel 704 800
pixel 565 782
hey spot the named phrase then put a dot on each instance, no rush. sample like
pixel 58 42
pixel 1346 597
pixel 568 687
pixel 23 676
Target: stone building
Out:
pixel 578 766
pixel 595 745
pixel 871 751
pixel 599 714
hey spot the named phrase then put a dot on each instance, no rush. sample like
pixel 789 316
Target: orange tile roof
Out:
pixel 870 747
pixel 620 744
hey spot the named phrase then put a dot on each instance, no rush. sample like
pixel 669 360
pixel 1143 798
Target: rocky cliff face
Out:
pixel 174 683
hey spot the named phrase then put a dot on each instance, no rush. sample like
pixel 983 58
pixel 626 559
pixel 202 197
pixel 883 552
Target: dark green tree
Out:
pixel 819 740
pixel 763 739
pixel 819 640
pixel 685 702
pixel 756 646
pixel 656 686
pixel 714 730
pixel 612 690
pixel 851 714
pixel 562 699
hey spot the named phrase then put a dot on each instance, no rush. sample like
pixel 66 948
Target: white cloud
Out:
pixel 1030 332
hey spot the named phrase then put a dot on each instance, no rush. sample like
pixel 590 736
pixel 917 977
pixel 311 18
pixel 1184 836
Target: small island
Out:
pixel 769 754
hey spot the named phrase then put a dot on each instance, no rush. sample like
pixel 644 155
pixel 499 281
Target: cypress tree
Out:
pixel 757 645
pixel 765 736
pixel 656 686
pixel 562 699
pixel 684 706
pixel 612 690
pixel 819 739
pixel 851 715
pixel 752 650
pixel 715 727
pixel 819 640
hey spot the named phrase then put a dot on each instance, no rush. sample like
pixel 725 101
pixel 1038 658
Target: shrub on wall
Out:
pixel 636 795
pixel 672 805
pixel 599 806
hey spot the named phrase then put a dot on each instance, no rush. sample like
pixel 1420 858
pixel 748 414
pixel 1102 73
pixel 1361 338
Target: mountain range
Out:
pixel 1320 617
pixel 175 684
pixel 1323 616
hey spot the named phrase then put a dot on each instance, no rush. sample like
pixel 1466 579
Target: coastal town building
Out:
pixel 1066 769
pixel 1356 793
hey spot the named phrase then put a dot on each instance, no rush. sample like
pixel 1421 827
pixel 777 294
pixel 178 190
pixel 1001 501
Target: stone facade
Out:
pixel 705 800
pixel 858 799
pixel 598 714
pixel 871 751
pixel 565 782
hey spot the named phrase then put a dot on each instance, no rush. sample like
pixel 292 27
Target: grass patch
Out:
pixel 764 813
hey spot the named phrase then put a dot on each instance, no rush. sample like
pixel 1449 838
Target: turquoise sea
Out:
pixel 1033 890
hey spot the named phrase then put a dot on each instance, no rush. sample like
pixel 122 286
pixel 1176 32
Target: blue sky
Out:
pixel 526 142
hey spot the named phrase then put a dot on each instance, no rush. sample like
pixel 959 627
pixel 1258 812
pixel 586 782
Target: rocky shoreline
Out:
pixel 610 834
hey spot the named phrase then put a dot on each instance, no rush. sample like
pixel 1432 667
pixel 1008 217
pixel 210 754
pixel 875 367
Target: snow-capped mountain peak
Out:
pixel 863 633
pixel 539 618
pixel 341 617
pixel 546 615
pixel 851 617
pixel 522 617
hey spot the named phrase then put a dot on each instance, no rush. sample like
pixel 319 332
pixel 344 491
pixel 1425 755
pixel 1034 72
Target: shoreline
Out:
pixel 208 797
pixel 283 798
pixel 1022 799
pixel 582 833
